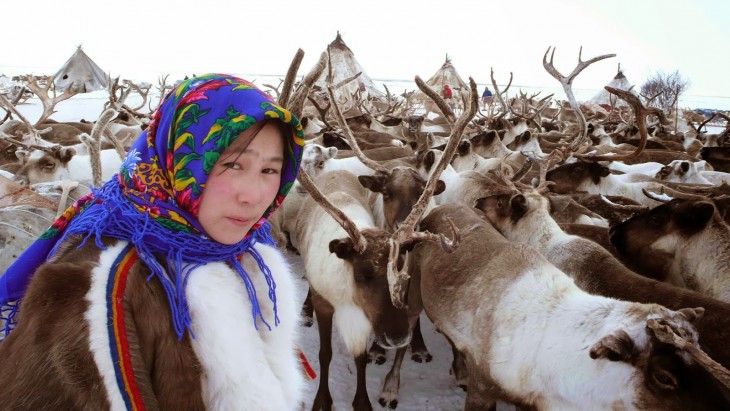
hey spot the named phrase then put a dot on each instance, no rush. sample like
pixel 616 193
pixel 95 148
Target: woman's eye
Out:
pixel 232 165
pixel 270 171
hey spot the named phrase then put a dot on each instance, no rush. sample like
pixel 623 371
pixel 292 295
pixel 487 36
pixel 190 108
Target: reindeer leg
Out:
pixel 458 367
pixel 419 352
pixel 324 311
pixel 391 384
pixel 479 397
pixel 308 310
pixel 361 402
pixel 376 354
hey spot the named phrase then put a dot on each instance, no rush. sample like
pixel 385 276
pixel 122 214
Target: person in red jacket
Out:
pixel 447 92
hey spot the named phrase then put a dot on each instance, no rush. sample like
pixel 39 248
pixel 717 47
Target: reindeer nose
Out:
pixel 396 341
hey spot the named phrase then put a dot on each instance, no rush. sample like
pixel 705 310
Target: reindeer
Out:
pixel 684 241
pixel 528 331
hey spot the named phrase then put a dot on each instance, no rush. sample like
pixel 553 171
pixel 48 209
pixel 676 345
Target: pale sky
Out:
pixel 393 39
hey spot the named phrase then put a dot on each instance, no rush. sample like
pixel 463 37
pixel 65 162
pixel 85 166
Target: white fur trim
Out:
pixel 245 368
pixel 97 316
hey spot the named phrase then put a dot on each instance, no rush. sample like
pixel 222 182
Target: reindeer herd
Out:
pixel 575 256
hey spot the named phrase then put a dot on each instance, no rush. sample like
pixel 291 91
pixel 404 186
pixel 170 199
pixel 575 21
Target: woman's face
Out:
pixel 242 185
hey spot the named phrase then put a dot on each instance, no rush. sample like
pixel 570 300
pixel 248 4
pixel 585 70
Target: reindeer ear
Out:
pixel 331 152
pixel 464 147
pixel 692 314
pixel 66 154
pixel 694 216
pixel 526 136
pixel 614 347
pixel 22 155
pixel 440 187
pixel 604 171
pixel 342 248
pixel 518 204
pixel 429 159
pixel 373 183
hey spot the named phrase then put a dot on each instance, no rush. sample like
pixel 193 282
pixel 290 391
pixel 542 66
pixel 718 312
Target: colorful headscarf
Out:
pixel 153 201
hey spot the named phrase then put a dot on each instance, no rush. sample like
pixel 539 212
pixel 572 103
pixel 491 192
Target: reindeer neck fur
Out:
pixel 535 350
pixel 703 260
pixel 454 181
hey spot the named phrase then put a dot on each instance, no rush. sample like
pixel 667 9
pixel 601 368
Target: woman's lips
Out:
pixel 238 221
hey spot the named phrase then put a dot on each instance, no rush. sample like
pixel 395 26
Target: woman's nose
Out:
pixel 248 190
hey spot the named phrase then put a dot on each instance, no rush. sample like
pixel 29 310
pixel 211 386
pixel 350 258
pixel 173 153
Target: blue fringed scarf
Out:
pixel 153 201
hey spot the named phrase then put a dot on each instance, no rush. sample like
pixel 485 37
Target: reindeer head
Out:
pixel 414 123
pixel 401 188
pixel 314 157
pixel 668 378
pixel 390 324
pixel 568 177
pixel 39 166
pixel 647 242
pixel 680 170
pixel 506 209
pixel 7 153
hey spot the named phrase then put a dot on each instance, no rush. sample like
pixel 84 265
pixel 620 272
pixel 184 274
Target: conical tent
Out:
pixel 620 82
pixel 81 74
pixel 447 74
pixel 344 66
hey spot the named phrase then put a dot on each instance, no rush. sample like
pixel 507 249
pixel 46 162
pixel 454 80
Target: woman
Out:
pixel 163 289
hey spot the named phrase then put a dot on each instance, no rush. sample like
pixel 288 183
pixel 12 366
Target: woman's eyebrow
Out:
pixel 256 153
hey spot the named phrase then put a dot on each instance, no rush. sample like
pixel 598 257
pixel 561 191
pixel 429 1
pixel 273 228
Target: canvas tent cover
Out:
pixel 81 74
pixel 447 74
pixel 620 82
pixel 344 66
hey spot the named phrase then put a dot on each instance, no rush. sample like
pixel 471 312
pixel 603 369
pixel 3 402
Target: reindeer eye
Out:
pixel 320 164
pixel 665 380
pixel 46 165
pixel 500 203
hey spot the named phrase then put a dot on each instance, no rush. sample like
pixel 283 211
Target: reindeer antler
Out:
pixel 358 240
pixel 567 83
pixel 291 75
pixel 640 113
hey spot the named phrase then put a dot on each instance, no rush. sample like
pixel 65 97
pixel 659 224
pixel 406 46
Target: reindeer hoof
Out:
pixel 376 354
pixel 307 321
pixel 392 404
pixel 377 358
pixel 421 357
